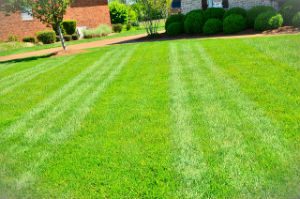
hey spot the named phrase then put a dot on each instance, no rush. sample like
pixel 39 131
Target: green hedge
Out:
pixel 118 13
pixel 212 26
pixel 289 10
pixel 236 10
pixel 117 27
pixel 234 23
pixel 214 13
pixel 175 29
pixel 296 20
pixel 174 18
pixel 67 37
pixel 69 26
pixel 255 11
pixel 46 37
pixel 194 21
pixel 267 21
pixel 29 39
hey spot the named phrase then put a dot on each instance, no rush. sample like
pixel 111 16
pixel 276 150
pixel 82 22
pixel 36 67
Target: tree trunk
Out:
pixel 61 37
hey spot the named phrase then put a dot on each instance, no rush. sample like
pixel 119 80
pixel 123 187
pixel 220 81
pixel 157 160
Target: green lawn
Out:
pixel 215 118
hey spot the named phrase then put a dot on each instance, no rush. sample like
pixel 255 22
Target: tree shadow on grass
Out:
pixel 27 58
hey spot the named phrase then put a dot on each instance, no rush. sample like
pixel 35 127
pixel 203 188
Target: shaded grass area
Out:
pixel 172 119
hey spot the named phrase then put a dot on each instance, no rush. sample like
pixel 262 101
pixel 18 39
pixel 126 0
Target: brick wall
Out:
pixel 188 5
pixel 88 13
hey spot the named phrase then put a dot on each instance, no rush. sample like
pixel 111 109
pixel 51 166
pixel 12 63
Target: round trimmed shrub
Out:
pixel 212 26
pixel 67 37
pixel 255 11
pixel 174 18
pixel 69 26
pixel 75 37
pixel 28 39
pixel 214 13
pixel 46 37
pixel 234 23
pixel 174 29
pixel 194 21
pixel 296 20
pixel 268 21
pixel 289 9
pixel 236 10
pixel 117 27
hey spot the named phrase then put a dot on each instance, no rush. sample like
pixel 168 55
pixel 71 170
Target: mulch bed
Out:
pixel 282 30
pixel 250 33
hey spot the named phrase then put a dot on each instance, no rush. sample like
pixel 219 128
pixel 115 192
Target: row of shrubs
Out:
pixel 49 37
pixel 216 20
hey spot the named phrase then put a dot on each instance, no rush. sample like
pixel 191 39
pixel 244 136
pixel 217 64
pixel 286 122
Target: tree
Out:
pixel 153 8
pixel 49 12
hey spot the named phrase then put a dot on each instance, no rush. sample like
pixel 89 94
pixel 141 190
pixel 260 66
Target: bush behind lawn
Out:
pixel 28 39
pixel 117 27
pixel 214 13
pixel 289 9
pixel 46 37
pixel 175 29
pixel 118 12
pixel 69 26
pixel 234 23
pixel 212 26
pixel 236 10
pixel 255 11
pixel 296 20
pixel 194 21
pixel 268 21
pixel 174 18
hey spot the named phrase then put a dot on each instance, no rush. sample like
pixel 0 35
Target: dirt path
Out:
pixel 72 48
pixel 77 48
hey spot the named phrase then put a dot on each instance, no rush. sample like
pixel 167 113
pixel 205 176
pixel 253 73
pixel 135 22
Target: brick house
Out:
pixel 187 5
pixel 87 13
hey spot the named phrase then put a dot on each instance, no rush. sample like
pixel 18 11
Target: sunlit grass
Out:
pixel 215 118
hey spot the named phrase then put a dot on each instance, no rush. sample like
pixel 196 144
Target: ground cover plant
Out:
pixel 170 119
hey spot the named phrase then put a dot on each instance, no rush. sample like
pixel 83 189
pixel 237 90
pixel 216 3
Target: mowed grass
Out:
pixel 215 118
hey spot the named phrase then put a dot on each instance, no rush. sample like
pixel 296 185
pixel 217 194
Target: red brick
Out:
pixel 90 13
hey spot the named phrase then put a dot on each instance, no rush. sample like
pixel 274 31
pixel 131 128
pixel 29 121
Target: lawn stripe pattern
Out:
pixel 170 119
pixel 54 98
pixel 72 123
pixel 12 83
pixel 4 67
pixel 258 127
pixel 188 160
pixel 31 69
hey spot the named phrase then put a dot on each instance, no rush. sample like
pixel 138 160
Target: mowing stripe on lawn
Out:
pixel 278 51
pixel 234 130
pixel 223 140
pixel 42 107
pixel 71 123
pixel 271 77
pixel 269 133
pixel 189 162
pixel 37 67
pixel 4 67
pixel 42 124
pixel 9 86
